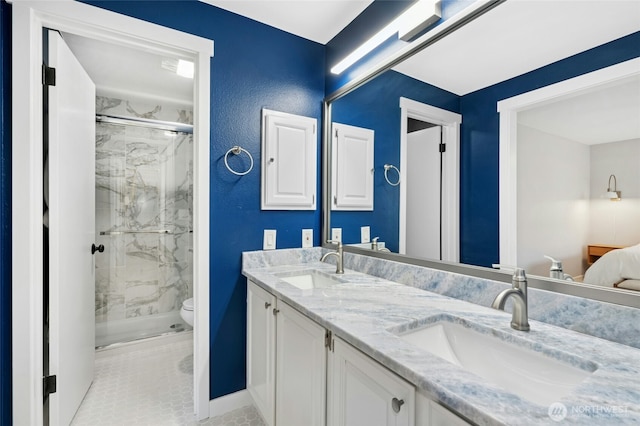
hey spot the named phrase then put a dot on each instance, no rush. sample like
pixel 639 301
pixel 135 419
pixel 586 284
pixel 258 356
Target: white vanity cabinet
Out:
pixel 286 361
pixel 430 413
pixel 363 392
pixel 298 374
pixel 261 350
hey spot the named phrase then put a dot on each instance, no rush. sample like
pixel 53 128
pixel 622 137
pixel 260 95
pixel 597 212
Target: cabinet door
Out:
pixel 289 161
pixel 301 369
pixel 261 339
pixel 352 168
pixel 363 392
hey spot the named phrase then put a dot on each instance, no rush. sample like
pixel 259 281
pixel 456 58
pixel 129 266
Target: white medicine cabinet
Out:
pixel 289 161
pixel 351 168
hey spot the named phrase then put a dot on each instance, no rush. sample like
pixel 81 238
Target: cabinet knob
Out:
pixel 396 404
pixel 275 311
pixel 266 305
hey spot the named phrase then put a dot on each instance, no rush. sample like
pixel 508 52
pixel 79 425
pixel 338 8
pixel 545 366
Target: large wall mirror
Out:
pixel 496 144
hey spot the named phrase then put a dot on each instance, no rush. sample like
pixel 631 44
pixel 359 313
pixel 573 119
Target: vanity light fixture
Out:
pixel 613 194
pixel 413 20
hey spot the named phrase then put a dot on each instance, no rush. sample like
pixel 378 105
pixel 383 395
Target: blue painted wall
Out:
pixel 5 214
pixel 376 106
pixel 255 66
pixel 479 159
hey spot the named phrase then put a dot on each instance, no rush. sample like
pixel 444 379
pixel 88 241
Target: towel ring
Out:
pixel 386 176
pixel 237 150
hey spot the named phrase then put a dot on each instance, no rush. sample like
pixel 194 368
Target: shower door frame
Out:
pixel 29 19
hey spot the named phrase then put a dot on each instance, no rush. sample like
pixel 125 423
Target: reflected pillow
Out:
pixel 614 267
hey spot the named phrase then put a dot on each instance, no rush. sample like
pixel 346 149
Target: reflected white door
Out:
pixel 71 231
pixel 423 193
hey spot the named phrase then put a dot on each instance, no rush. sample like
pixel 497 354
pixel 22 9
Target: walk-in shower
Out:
pixel 144 188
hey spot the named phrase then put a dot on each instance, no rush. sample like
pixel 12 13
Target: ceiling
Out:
pixel 520 36
pixel 502 44
pixel 316 20
pixel 609 113
pixel 116 69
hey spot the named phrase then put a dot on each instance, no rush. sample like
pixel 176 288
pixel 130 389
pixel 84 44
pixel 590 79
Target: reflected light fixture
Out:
pixel 613 194
pixel 181 67
pixel 413 20
pixel 185 68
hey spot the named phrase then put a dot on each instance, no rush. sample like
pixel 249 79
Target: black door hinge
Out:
pixel 48 76
pixel 49 384
pixel 443 147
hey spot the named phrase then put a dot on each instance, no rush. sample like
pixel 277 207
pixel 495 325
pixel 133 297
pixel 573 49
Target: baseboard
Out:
pixel 227 403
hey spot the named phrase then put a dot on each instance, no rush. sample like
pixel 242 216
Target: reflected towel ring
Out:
pixel 237 150
pixel 386 176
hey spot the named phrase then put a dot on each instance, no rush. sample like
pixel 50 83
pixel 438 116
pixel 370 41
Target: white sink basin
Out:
pixel 307 280
pixel 532 375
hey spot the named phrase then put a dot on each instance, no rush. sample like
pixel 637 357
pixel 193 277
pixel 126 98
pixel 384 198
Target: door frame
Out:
pixel 450 122
pixel 508 110
pixel 29 18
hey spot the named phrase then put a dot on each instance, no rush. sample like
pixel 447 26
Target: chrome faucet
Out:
pixel 374 244
pixel 519 319
pixel 376 247
pixel 339 254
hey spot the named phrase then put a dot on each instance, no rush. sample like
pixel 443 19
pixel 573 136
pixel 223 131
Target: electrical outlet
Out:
pixel 336 234
pixel 307 238
pixel 365 234
pixel 269 242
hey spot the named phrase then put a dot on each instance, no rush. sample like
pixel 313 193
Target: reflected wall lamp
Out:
pixel 413 20
pixel 613 194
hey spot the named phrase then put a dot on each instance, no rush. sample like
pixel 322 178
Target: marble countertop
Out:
pixel 364 310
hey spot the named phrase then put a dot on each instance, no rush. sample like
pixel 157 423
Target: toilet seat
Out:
pixel 187 305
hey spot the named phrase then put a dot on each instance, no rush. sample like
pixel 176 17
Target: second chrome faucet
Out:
pixel 339 254
pixel 518 292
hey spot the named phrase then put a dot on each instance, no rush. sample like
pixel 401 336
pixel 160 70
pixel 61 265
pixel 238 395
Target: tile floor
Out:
pixel 149 385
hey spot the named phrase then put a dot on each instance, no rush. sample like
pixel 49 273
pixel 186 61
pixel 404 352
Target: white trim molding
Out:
pixel 508 110
pixel 450 122
pixel 29 19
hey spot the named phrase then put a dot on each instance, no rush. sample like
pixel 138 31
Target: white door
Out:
pixel 423 193
pixel 301 369
pixel 362 392
pixel 71 230
pixel 261 350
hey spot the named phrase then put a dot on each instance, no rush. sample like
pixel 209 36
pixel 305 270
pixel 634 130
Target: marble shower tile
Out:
pixel 142 251
pixel 141 298
pixel 109 307
pixel 144 181
pixel 110 138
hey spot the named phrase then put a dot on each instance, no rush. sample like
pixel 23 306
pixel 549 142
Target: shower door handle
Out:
pixel 95 248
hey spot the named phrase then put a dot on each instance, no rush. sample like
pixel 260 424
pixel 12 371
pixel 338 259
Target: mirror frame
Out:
pixel 467 15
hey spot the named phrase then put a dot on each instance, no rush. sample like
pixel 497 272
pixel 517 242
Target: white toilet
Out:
pixel 187 311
